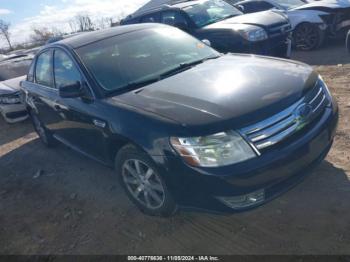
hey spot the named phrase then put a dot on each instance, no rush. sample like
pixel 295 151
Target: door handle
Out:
pixel 99 123
pixel 58 107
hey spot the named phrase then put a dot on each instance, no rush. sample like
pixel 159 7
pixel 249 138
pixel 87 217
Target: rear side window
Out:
pixel 173 18
pixel 66 73
pixel 43 70
pixel 30 76
pixel 151 18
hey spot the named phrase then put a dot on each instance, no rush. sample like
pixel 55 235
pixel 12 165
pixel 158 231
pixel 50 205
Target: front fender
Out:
pixel 297 17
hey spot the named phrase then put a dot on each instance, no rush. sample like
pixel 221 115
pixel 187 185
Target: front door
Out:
pixel 79 127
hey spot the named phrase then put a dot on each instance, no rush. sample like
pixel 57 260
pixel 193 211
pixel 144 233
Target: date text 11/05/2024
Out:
pixel 173 258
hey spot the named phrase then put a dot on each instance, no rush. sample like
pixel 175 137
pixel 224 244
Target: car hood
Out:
pixel 331 4
pixel 262 19
pixel 11 86
pixel 237 89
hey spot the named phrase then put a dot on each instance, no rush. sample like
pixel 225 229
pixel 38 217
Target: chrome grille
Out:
pixel 284 124
pixel 280 29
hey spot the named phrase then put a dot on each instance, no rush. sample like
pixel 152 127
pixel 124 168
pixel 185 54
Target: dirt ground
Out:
pixel 77 207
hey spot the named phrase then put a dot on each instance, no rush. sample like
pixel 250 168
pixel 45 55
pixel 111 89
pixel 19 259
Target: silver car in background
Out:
pixel 11 106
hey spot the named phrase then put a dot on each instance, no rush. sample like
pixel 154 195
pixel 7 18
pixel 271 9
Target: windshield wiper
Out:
pixel 181 67
pixel 185 66
pixel 141 83
pixel 220 19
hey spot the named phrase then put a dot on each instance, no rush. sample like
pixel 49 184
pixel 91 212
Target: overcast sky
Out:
pixel 26 14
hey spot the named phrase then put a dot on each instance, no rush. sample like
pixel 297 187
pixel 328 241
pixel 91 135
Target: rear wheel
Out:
pixel 307 37
pixel 348 41
pixel 144 185
pixel 44 134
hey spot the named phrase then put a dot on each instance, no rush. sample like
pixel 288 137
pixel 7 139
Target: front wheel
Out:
pixel 307 37
pixel 143 184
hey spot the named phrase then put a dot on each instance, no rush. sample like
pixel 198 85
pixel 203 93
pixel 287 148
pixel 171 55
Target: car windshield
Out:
pixel 211 11
pixel 141 56
pixel 289 4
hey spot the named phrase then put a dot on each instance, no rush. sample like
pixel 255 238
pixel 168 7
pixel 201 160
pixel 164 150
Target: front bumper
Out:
pixel 254 182
pixel 14 113
pixel 279 46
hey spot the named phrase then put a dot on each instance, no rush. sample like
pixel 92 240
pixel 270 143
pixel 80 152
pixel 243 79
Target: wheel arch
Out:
pixel 298 17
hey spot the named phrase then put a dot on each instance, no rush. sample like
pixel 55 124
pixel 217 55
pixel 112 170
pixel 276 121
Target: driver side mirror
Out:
pixel 241 8
pixel 71 91
pixel 207 42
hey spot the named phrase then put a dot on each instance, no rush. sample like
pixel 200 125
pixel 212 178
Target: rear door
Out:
pixel 42 93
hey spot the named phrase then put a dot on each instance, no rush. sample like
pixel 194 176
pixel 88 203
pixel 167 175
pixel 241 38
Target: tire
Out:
pixel 307 37
pixel 140 179
pixel 44 134
pixel 348 41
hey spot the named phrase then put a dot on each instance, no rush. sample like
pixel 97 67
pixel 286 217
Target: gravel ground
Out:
pixel 54 201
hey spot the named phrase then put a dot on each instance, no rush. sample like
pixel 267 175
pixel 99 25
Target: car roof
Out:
pixel 95 36
pixel 167 5
pixel 185 3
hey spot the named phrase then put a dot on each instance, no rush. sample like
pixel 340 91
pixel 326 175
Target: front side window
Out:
pixel 289 4
pixel 151 18
pixel 65 70
pixel 252 7
pixel 139 56
pixel 211 11
pixel 43 70
pixel 265 6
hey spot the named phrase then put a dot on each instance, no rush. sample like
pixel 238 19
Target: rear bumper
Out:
pixel 262 178
pixel 14 113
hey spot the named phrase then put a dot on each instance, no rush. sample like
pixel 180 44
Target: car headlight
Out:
pixel 220 149
pixel 8 100
pixel 326 91
pixel 251 33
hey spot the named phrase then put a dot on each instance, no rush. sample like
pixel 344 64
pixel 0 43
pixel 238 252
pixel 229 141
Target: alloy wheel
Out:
pixel 306 37
pixel 143 183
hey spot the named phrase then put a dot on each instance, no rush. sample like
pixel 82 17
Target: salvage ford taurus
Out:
pixel 183 125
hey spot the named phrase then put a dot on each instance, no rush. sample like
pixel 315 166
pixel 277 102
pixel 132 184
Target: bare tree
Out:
pixel 84 23
pixel 42 34
pixel 73 25
pixel 103 22
pixel 4 31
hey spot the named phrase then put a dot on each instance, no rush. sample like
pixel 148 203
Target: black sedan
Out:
pixel 183 125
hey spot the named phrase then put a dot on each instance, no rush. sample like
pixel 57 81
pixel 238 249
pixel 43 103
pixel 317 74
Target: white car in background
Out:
pixel 311 21
pixel 11 106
